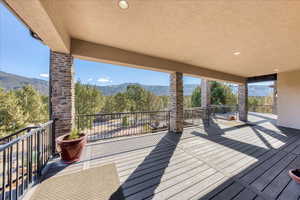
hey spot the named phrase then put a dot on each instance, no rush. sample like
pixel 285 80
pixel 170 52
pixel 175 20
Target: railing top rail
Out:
pixel 32 131
pixel 18 132
pixel 122 113
pixel 222 105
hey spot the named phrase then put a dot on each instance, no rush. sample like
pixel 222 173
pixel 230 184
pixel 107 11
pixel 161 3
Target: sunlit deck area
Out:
pixel 227 160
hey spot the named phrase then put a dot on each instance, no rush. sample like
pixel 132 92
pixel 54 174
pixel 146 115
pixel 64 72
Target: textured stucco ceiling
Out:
pixel 204 33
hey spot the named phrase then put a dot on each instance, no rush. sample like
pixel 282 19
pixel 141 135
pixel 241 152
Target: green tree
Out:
pixel 108 106
pixel 12 116
pixel 137 98
pixel 120 102
pixel 196 97
pixel 221 94
pixel 32 105
pixel 217 93
pixel 88 99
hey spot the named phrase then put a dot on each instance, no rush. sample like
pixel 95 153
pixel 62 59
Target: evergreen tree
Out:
pixel 12 116
pixel 196 97
pixel 32 105
pixel 88 99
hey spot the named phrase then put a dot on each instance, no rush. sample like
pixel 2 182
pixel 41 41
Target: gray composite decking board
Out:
pixel 234 163
pixel 199 187
pixel 219 139
pixel 136 175
pixel 131 157
pixel 230 192
pixel 195 185
pixel 212 189
pixel 246 194
pixel 171 187
pixel 270 174
pixel 225 163
pixel 280 182
pixel 149 160
pixel 296 150
pixel 116 149
pixel 260 161
pixel 215 191
pixel 260 198
pixel 291 144
pixel 167 174
pixel 244 163
pixel 225 154
pixel 156 179
pixel 271 133
pixel 162 189
pixel 290 192
pixel 230 161
pixel 157 165
pixel 211 143
pixel 219 152
pixel 258 171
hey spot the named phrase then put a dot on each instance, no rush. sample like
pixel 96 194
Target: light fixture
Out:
pixel 123 4
pixel 236 53
pixel 276 70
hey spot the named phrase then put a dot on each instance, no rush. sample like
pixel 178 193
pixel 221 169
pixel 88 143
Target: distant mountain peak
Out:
pixel 10 81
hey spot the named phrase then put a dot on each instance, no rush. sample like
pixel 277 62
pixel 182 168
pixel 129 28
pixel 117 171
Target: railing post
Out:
pixel 53 142
pixel 169 113
pixel 39 153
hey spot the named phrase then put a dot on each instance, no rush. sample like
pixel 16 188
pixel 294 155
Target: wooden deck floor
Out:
pixel 226 161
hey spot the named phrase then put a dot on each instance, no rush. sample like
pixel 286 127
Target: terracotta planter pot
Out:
pixel 70 150
pixel 295 175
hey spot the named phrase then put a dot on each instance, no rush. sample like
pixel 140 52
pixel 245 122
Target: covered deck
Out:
pixel 226 160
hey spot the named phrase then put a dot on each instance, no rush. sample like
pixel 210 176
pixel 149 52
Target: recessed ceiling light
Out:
pixel 236 53
pixel 276 70
pixel 123 4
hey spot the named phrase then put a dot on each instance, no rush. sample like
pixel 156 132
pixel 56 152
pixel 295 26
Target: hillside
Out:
pixel 158 90
pixel 11 82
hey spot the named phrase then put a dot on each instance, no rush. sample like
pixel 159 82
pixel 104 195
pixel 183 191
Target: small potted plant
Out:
pixel 71 146
pixel 295 175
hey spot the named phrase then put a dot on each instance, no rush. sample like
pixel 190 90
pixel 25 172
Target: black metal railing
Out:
pixel 110 125
pixel 261 108
pixel 23 155
pixel 103 126
pixel 226 112
pixel 195 116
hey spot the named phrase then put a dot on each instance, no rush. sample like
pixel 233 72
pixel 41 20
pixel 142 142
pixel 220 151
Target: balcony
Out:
pixel 217 160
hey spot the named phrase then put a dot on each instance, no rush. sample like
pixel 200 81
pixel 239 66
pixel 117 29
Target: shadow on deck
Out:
pixel 227 160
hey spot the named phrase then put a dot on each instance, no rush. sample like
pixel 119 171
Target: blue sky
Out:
pixel 22 55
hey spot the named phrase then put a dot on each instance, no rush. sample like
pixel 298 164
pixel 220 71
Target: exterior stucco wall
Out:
pixel 288 86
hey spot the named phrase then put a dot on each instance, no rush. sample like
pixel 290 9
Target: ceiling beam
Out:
pixel 255 79
pixel 39 16
pixel 101 53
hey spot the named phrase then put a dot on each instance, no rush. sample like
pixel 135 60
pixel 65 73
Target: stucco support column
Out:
pixel 176 102
pixel 62 93
pixel 205 93
pixel 275 98
pixel 243 102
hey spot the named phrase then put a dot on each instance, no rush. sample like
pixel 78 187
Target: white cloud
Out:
pixel 104 80
pixel 90 79
pixel 44 75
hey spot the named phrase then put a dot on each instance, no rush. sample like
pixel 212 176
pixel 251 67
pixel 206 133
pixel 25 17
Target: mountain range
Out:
pixel 12 82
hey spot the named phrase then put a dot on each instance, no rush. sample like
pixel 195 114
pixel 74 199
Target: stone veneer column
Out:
pixel 176 102
pixel 275 98
pixel 243 102
pixel 205 93
pixel 62 93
